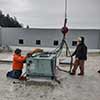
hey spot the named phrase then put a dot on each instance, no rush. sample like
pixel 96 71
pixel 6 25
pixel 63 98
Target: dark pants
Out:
pixel 14 74
pixel 79 63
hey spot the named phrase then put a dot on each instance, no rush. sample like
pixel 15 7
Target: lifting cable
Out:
pixel 58 50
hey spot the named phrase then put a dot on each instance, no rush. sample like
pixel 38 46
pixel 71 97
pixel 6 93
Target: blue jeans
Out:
pixel 14 74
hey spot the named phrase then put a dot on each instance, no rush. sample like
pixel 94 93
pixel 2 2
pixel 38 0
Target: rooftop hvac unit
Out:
pixel 43 65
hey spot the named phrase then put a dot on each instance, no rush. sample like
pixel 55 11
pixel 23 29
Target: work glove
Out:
pixel 29 54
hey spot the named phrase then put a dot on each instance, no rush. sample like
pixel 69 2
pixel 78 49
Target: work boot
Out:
pixel 98 71
pixel 80 74
pixel 23 78
pixel 72 73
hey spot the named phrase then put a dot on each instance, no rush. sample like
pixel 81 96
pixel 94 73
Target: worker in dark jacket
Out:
pixel 80 56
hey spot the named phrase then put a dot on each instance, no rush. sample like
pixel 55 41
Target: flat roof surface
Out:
pixel 76 87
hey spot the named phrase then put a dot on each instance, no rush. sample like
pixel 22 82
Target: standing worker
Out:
pixel 18 61
pixel 80 56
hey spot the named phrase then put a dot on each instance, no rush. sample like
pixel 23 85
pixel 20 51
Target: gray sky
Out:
pixel 50 13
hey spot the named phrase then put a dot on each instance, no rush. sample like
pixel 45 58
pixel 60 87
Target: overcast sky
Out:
pixel 50 13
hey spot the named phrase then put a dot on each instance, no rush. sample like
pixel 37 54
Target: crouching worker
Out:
pixel 80 56
pixel 18 61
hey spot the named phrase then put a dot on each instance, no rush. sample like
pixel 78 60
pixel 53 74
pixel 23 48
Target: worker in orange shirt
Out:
pixel 18 61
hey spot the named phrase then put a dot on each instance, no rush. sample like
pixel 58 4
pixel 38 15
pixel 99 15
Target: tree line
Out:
pixel 8 21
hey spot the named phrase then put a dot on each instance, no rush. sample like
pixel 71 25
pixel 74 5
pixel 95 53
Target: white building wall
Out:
pixel 11 36
pixel 92 37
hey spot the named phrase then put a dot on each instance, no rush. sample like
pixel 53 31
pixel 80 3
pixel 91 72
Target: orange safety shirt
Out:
pixel 18 62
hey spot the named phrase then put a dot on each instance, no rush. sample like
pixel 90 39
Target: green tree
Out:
pixel 7 21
